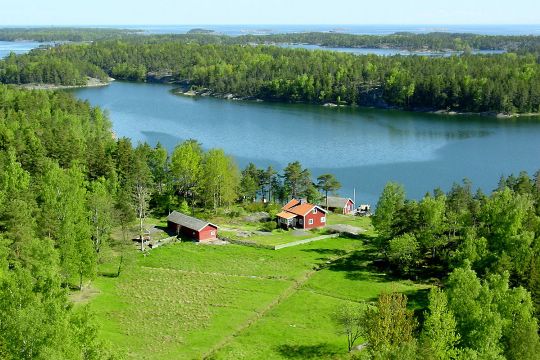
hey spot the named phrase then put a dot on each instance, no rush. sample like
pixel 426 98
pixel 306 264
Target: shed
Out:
pixel 191 227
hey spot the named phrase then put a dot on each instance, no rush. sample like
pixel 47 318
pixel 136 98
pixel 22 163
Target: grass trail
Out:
pixel 288 292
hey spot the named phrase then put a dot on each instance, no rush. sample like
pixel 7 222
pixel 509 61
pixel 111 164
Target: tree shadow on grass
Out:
pixel 318 351
pixel 418 301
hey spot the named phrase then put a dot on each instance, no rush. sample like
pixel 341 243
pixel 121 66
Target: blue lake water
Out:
pixel 364 148
pixel 18 47
pixel 385 52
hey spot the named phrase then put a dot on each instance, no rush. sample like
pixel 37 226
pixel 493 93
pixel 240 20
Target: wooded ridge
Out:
pixel 506 83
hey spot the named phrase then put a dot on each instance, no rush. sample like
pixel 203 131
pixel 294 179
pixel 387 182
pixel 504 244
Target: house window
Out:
pixel 314 210
pixel 323 219
pixel 310 221
pixel 300 221
pixel 213 233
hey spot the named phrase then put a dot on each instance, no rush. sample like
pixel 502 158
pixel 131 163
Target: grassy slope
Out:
pixel 188 300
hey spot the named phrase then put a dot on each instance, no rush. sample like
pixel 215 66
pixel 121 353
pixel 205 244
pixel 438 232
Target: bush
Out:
pixel 269 226
pixel 256 206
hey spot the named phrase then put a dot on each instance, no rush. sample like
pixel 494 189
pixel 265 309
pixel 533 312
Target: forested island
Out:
pixel 505 83
pixel 436 41
pixel 75 34
pixel 70 192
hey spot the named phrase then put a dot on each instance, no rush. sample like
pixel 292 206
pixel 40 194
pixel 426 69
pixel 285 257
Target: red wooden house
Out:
pixel 301 214
pixel 336 204
pixel 191 227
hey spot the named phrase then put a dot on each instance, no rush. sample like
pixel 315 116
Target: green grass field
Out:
pixel 279 236
pixel 193 301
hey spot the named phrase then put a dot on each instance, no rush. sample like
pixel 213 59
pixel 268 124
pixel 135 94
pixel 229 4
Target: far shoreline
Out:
pixel 90 82
pixel 183 91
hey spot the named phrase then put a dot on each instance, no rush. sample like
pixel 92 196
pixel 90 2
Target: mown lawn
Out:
pixel 187 301
pixel 276 237
pixel 301 328
pixel 358 221
pixel 280 236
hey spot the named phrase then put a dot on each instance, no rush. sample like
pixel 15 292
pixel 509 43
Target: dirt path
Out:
pixel 295 286
pixel 85 295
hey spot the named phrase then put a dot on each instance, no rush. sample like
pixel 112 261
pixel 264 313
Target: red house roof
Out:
pixel 297 208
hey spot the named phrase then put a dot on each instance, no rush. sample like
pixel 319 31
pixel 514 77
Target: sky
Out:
pixel 180 12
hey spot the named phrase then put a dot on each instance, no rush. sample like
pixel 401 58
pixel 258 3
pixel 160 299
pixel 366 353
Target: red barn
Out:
pixel 339 205
pixel 191 227
pixel 301 214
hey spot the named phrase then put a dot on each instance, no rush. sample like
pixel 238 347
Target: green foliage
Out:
pixel 250 182
pixel 186 168
pixel 220 181
pixel 404 251
pixel 493 320
pixel 505 83
pixel 269 226
pixel 439 337
pixel 432 222
pixel 100 205
pixel 391 201
pixel 390 328
pixel 348 319
pixel 64 219
pixel 184 208
pixel 50 211
pixel 296 181
pixel 62 33
pixel 328 183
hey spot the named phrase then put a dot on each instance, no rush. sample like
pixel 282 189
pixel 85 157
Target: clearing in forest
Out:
pixel 192 301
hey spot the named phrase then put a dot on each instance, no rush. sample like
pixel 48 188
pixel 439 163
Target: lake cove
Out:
pixel 364 148
pixel 18 47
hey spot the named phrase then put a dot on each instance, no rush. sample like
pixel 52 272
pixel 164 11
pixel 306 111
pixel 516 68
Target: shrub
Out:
pixel 268 226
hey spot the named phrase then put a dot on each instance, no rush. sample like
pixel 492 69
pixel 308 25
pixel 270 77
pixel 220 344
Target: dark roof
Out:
pixel 335 202
pixel 188 221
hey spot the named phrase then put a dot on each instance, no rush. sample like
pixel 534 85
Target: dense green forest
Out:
pixel 486 248
pixel 507 83
pixel 65 183
pixel 45 231
pixel 62 34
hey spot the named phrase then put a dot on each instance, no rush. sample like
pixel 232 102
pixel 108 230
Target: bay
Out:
pixel 364 148
pixel 18 47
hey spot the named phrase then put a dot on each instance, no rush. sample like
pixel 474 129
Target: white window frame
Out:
pixel 323 219
pixel 315 210
pixel 213 233
pixel 310 221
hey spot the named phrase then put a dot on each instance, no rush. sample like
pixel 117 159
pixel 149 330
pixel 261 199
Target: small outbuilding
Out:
pixel 341 205
pixel 191 227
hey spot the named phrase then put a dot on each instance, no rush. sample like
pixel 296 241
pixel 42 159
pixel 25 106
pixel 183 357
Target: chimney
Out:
pixel 303 201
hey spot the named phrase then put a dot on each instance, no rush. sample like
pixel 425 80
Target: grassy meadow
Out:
pixel 194 301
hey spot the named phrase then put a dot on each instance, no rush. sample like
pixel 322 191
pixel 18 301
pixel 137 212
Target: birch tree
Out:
pixel 141 190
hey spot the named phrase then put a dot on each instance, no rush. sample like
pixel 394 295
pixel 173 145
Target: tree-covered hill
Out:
pixel 507 83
